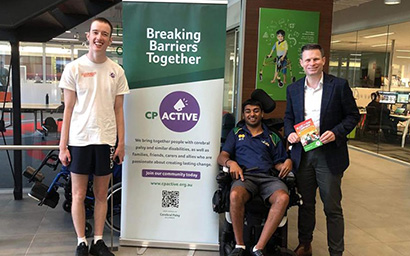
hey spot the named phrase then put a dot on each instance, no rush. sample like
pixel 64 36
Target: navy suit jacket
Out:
pixel 338 113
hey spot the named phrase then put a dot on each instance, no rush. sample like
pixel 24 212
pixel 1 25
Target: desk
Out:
pixel 34 108
pixel 406 127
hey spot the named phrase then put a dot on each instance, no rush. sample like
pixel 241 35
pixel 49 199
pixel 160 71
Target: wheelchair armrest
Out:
pixel 290 180
pixel 223 178
pixel 220 199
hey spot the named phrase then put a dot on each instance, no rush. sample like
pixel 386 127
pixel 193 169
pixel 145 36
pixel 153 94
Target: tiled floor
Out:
pixel 376 207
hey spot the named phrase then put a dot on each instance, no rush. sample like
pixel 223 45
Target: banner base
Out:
pixel 169 245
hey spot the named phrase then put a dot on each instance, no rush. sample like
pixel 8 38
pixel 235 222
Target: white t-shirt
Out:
pixel 96 86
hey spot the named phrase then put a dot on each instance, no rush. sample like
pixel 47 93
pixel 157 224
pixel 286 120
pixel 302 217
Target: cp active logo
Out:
pixel 179 111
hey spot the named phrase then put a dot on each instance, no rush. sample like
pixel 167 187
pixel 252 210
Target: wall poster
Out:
pixel 282 33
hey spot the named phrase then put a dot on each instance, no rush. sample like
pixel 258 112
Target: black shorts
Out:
pixel 92 159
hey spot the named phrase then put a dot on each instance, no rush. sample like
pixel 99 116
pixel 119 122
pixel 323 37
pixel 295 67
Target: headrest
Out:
pixel 228 122
pixel 267 102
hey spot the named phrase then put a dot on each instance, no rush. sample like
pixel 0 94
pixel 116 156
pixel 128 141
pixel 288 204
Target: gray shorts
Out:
pixel 262 184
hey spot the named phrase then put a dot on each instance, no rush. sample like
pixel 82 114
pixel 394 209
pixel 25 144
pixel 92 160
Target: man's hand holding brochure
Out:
pixel 308 134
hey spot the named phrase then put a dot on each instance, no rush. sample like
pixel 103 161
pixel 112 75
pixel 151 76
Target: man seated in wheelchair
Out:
pixel 252 152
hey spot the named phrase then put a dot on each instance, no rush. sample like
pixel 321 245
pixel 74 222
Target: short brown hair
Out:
pixel 308 47
pixel 103 20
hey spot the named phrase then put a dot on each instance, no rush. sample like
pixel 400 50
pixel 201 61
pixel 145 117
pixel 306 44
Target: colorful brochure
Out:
pixel 308 134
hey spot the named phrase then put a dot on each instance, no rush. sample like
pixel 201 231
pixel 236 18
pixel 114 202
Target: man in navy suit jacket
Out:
pixel 329 101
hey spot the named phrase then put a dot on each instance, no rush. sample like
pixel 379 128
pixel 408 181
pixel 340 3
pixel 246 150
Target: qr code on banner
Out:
pixel 170 199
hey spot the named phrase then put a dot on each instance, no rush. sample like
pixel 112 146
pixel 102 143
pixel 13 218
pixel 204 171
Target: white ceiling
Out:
pixel 339 5
pixel 114 14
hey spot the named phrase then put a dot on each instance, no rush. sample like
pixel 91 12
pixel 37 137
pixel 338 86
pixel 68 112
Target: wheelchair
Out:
pixel 256 210
pixel 48 195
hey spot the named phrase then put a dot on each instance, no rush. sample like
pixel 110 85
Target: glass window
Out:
pixel 31 61
pixel 343 59
pixel 374 49
pixel 57 56
pixel 400 70
pixel 376 62
pixel 231 67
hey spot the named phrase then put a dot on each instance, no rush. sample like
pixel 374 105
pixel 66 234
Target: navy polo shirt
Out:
pixel 258 151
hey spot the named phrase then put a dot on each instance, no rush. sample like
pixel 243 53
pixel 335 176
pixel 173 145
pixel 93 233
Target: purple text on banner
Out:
pixel 171 174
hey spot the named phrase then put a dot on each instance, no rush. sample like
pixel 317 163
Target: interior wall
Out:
pixel 325 7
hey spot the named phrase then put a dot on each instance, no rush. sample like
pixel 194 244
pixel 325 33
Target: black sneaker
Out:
pixel 237 252
pixel 82 250
pixel 100 249
pixel 257 253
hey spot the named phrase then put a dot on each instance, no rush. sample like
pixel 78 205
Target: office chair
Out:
pixel 373 122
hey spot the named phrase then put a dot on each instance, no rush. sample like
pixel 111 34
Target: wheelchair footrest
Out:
pixel 39 192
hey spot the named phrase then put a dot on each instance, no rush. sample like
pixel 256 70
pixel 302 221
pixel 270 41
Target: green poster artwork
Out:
pixel 170 43
pixel 282 33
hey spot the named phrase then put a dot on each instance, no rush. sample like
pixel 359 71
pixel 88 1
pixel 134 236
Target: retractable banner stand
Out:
pixel 174 61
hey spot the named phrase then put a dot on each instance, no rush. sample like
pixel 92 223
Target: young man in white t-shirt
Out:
pixel 92 135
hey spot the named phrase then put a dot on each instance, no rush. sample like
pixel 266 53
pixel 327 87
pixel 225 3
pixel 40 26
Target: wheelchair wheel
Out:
pixel 67 206
pixel 227 239
pixel 88 230
pixel 115 193
pixel 226 248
